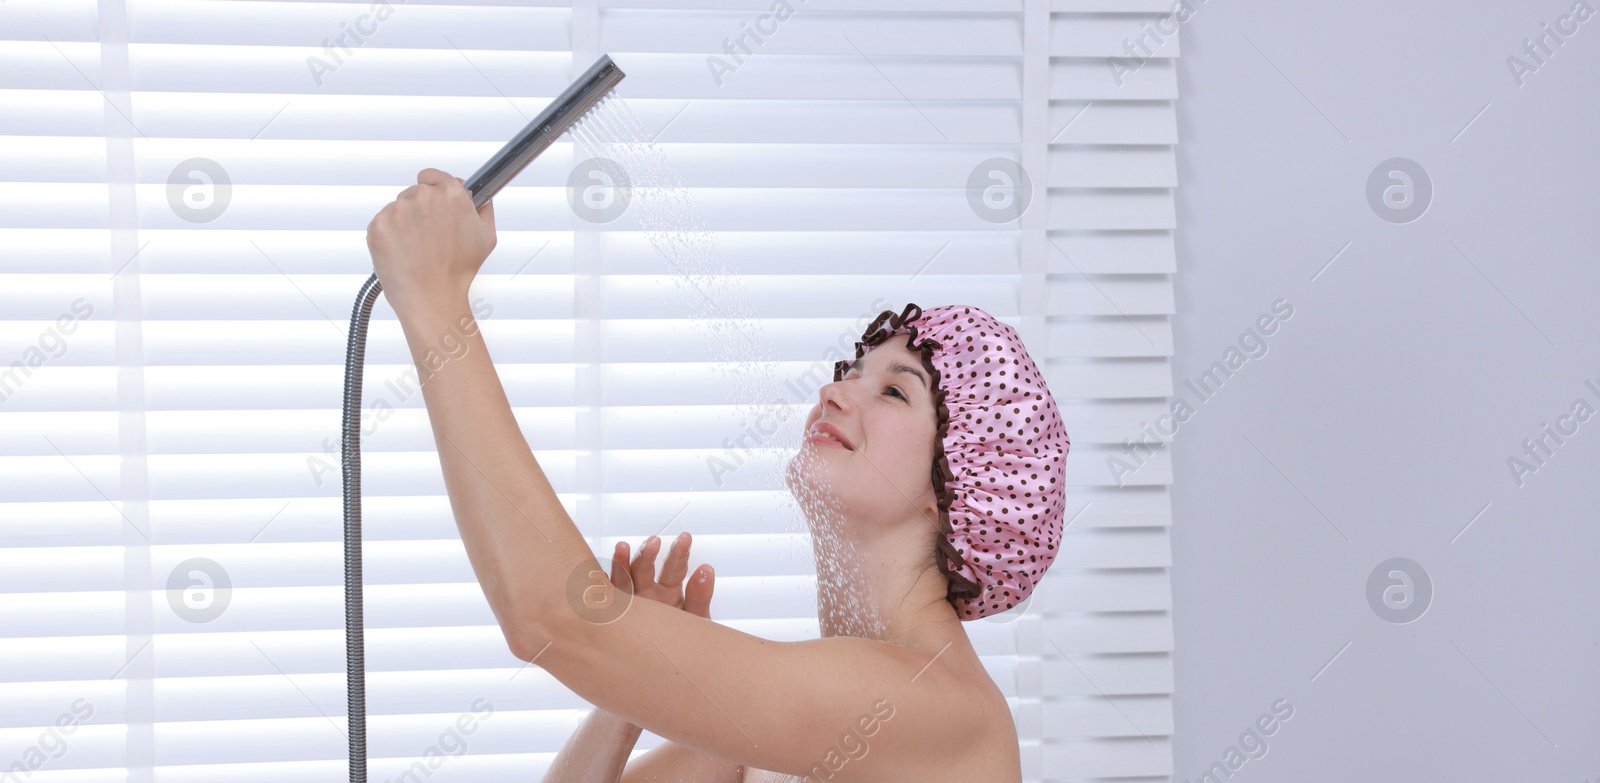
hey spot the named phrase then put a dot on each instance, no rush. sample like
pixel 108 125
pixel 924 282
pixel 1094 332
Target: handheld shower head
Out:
pixel 567 108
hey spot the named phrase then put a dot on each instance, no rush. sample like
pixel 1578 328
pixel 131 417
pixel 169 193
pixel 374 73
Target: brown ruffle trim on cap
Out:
pixel 881 329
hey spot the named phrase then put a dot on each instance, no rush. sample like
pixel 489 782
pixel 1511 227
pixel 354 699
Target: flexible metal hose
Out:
pixel 354 633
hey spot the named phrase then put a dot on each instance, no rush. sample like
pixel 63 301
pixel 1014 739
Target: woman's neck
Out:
pixel 862 593
pixel 871 580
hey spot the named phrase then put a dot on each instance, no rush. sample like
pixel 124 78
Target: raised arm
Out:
pixel 427 245
pixel 845 706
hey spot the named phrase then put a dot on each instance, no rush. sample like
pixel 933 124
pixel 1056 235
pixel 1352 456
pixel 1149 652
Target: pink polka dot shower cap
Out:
pixel 1000 469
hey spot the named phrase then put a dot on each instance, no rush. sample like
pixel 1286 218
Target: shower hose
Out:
pixel 354 634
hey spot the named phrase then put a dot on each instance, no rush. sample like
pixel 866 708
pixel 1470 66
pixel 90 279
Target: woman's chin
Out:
pixel 808 477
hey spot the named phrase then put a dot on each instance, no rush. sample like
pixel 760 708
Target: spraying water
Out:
pixel 709 283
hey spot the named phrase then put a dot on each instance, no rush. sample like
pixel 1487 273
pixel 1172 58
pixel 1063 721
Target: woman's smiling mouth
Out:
pixel 825 433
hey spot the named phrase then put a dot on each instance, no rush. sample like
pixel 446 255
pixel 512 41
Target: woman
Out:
pixel 906 700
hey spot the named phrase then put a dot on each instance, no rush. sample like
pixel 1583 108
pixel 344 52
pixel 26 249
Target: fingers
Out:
pixel 697 593
pixel 640 573
pixel 619 566
pixel 677 561
pixel 434 177
pixel 486 213
pixel 644 565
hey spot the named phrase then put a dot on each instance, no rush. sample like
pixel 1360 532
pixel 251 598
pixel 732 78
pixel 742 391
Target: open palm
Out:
pixel 669 588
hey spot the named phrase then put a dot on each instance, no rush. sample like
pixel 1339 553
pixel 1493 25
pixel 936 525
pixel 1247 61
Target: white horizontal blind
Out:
pixel 191 420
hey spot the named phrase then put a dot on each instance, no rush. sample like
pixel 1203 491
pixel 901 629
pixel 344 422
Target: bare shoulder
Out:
pixel 975 736
pixel 994 754
pixel 990 750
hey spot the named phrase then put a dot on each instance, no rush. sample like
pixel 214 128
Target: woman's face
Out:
pixel 883 408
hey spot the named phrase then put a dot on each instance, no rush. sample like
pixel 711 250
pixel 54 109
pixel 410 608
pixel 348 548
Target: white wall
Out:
pixel 1389 402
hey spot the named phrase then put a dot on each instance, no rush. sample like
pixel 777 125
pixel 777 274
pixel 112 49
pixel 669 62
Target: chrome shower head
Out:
pixel 568 107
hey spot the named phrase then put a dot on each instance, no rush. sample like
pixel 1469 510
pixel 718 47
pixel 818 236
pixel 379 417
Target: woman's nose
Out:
pixel 834 394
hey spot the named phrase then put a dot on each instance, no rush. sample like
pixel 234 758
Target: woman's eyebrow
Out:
pixel 896 367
